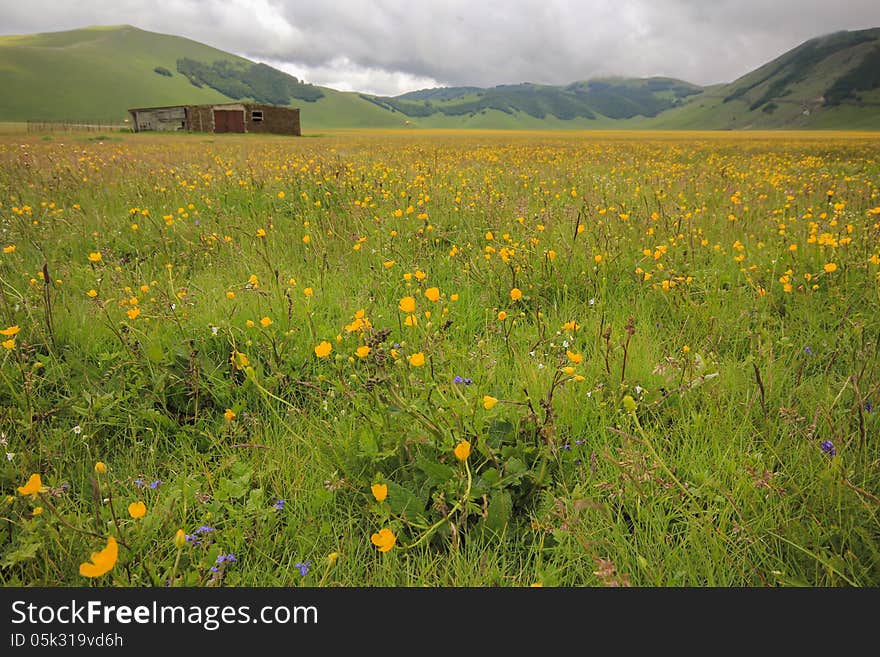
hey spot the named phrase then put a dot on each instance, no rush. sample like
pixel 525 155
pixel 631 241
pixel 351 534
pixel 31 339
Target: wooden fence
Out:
pixel 76 126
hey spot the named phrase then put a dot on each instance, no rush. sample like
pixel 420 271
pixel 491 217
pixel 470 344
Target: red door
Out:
pixel 228 120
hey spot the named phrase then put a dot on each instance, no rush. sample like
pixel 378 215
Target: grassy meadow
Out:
pixel 428 358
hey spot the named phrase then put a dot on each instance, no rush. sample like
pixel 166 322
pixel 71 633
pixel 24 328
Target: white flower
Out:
pixel 77 430
pixel 565 343
pixel 593 301
pixel 10 456
pixel 214 330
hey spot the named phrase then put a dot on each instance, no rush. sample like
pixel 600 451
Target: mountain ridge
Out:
pixel 96 73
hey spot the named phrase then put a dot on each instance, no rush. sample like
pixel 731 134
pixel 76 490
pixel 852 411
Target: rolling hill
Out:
pixel 97 73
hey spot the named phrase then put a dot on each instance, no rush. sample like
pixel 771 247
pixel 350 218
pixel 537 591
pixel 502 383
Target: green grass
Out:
pixel 664 383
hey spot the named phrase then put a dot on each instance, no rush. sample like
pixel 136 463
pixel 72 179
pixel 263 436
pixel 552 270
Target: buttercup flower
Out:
pixel 33 486
pixel 407 304
pixel 380 492
pixel 515 294
pixel 462 450
pixel 384 539
pixel 101 562
pixel 323 349
pixel 489 402
pixel 417 359
pixel 137 509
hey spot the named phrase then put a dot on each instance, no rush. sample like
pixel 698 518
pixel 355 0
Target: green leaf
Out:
pixel 368 445
pixel 500 509
pixel 498 431
pixel 404 502
pixel 154 352
pixel 437 472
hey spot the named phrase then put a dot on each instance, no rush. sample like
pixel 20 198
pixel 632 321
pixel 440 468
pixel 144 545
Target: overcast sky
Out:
pixel 389 47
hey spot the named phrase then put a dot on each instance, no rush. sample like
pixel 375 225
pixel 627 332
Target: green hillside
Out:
pixel 831 81
pixel 97 73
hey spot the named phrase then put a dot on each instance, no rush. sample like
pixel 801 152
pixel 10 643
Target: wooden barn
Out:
pixel 228 117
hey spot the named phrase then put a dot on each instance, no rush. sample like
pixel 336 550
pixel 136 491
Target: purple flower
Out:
pixel 279 504
pixel 828 447
pixel 303 567
pixel 869 407
pixel 225 558
pixel 204 529
pixel 155 484
pixel 458 379
pixel 139 482
pixel 808 351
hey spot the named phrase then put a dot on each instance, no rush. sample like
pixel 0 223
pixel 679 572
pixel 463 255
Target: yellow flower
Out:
pixel 261 232
pixel 281 194
pixel 306 239
pixel 137 509
pixel 830 267
pixel 9 249
pixel 33 486
pixel 101 467
pixel 571 326
pixel 417 359
pixel 411 320
pixel 229 414
pixel 308 291
pixel 265 322
pixel 462 450
pixel 384 539
pixel 332 558
pixel 323 349
pixel 95 256
pixel 432 294
pixel 388 264
pixel 407 304
pixel 230 294
pixel 101 562
pixel 502 315
pixel 453 297
pixel 92 293
pixel 134 313
pixel 37 511
pixel 10 331
pixel 179 539
pixel 489 402
pixel 568 370
pixel 380 492
pixel 597 258
pixel 9 344
pixel 362 352
pixel 573 357
pixel 516 294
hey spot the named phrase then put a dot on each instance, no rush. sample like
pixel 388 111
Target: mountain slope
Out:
pixel 831 81
pixel 97 73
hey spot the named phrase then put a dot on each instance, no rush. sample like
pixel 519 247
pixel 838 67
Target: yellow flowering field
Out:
pixel 440 358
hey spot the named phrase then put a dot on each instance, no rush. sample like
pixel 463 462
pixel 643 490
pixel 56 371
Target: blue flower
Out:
pixel 225 558
pixel 828 447
pixel 808 351
pixel 155 484
pixel 139 482
pixel 303 567
pixel 279 504
pixel 204 529
pixel 869 407
pixel 458 379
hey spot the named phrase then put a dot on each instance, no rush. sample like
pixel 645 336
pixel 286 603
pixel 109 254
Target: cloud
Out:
pixel 391 46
